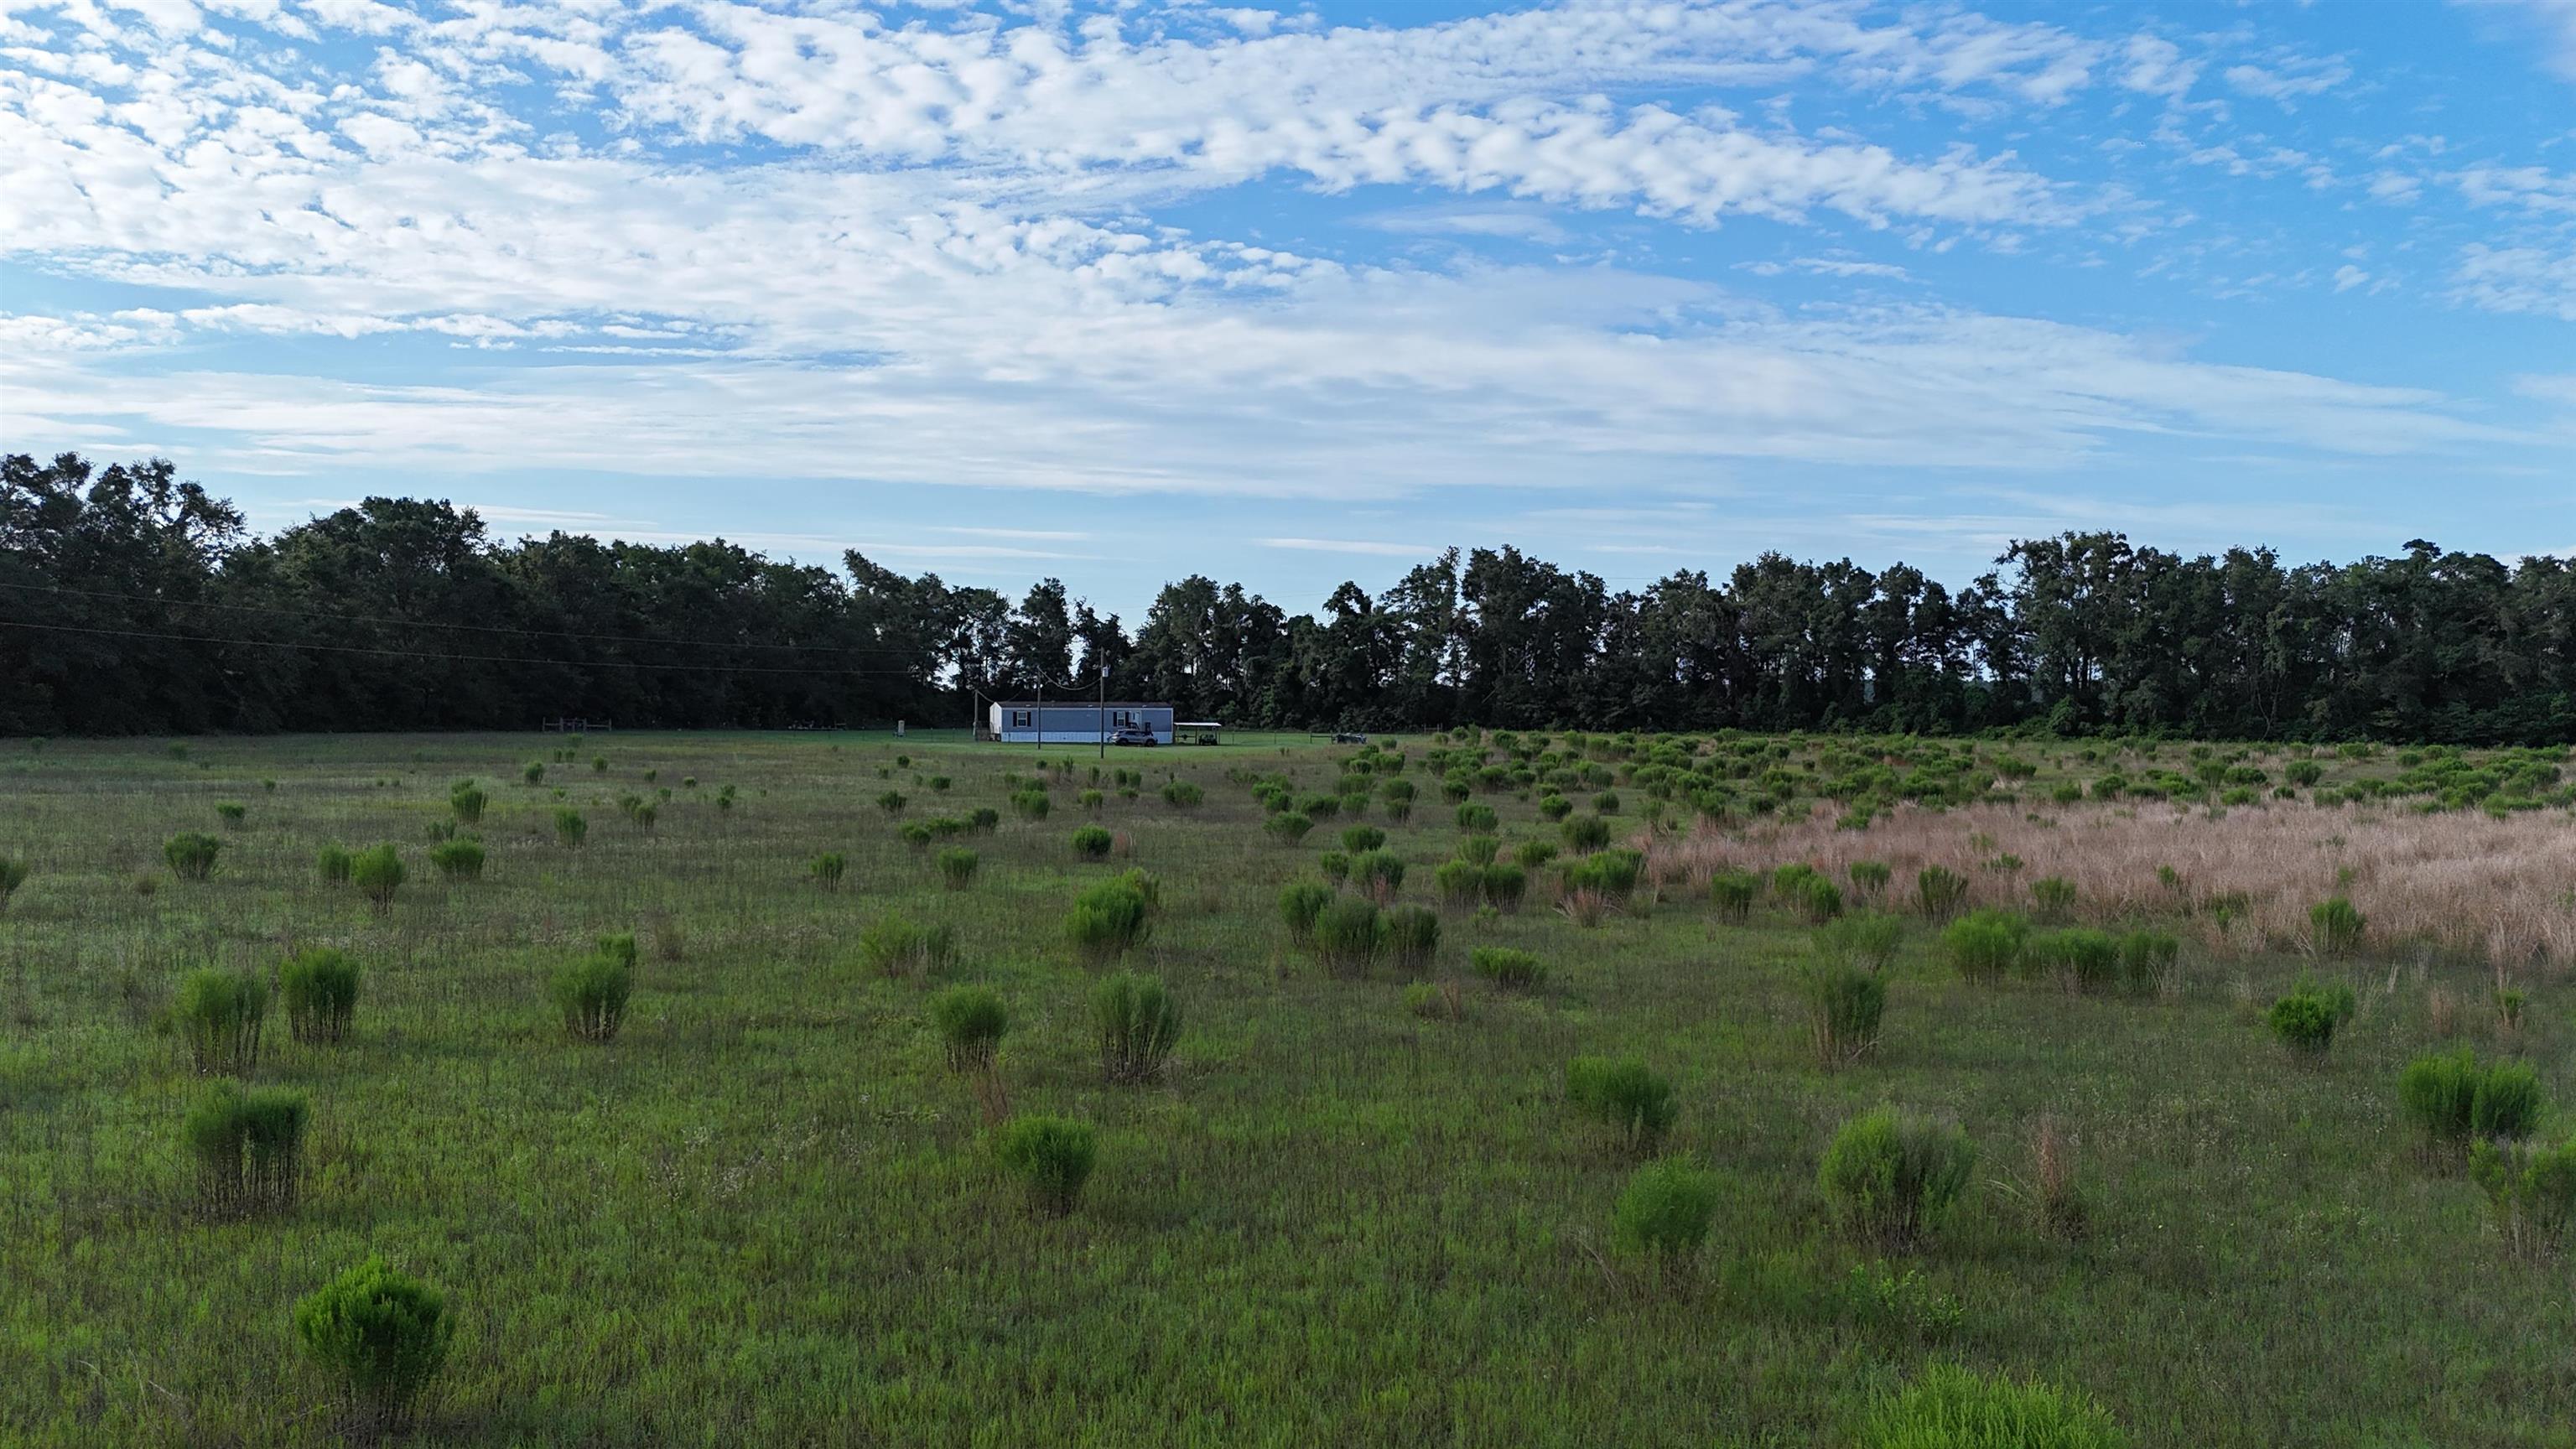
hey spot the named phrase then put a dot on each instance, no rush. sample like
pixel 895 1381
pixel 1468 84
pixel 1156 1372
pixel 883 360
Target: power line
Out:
pixel 434 624
pixel 430 654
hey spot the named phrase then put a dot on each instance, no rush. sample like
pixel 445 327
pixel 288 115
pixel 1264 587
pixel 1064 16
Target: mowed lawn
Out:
pixel 768 1212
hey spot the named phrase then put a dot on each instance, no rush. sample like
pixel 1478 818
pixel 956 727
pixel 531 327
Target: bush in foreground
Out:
pixel 957 865
pixel 2532 1191
pixel 2305 1019
pixel 2451 1098
pixel 1052 1158
pixel 970 1020
pixel 1509 967
pixel 248 1147
pixel 191 854
pixel 1625 1093
pixel 591 994
pixel 1844 1005
pixel 380 1336
pixel 220 1016
pixel 460 859
pixel 320 989
pixel 1136 1023
pixel 331 863
pixel 1891 1176
pixel 1947 1407
pixel 377 872
pixel 1108 919
pixel 1664 1214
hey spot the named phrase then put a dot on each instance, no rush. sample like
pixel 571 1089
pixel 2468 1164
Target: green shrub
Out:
pixel 1412 937
pixel 1478 819
pixel 1136 1023
pixel 1031 805
pixel 1090 800
pixel 1865 939
pixel 377 872
pixel 1950 1408
pixel 2334 927
pixel 891 802
pixel 1182 795
pixel 2304 1021
pixel 1844 1004
pixel 219 1015
pixel 1479 849
pixel 2147 959
pixel 191 854
pixel 1529 854
pixel 1052 1157
pixel 332 864
pixel 590 994
pixel 1625 1093
pixel 893 945
pixel 1664 1214
pixel 232 815
pixel 380 1337
pixel 1460 882
pixel 1361 839
pixel 620 947
pixel 570 828
pixel 2303 772
pixel 1816 898
pixel 1108 919
pixel 984 819
pixel 1378 872
pixel 2531 1189
pixel 534 773
pixel 1585 832
pixel 1891 1176
pixel 1732 892
pixel 459 859
pixel 957 867
pixel 1508 967
pixel 1941 891
pixel 2054 896
pixel 970 1021
pixel 1300 902
pixel 2508 1102
pixel 1348 934
pixel 2087 960
pixel 1984 945
pixel 1288 826
pixel 320 990
pixel 248 1147
pixel 1091 842
pixel 1504 886
pixel 468 802
pixel 827 869
pixel 1868 876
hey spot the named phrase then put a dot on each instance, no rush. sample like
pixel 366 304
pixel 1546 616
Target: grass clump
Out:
pixel 1947 1407
pixel 1732 892
pixel 1052 1157
pixel 380 1337
pixel 220 1016
pixel 1864 939
pixel 331 864
pixel 1984 945
pixel 191 854
pixel 970 1021
pixel 894 945
pixel 377 872
pixel 2334 927
pixel 570 829
pixel 590 994
pixel 467 802
pixel 2452 1099
pixel 1664 1214
pixel 248 1147
pixel 1092 842
pixel 1891 1176
pixel 1509 967
pixel 957 865
pixel 2531 1190
pixel 1625 1093
pixel 2305 1018
pixel 1108 919
pixel 1940 891
pixel 1844 1006
pixel 1288 826
pixel 458 859
pixel 1348 934
pixel 1412 936
pixel 1183 795
pixel 320 990
pixel 1300 902
pixel 1136 1023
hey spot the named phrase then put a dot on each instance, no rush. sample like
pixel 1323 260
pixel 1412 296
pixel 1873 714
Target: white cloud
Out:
pixel 2518 279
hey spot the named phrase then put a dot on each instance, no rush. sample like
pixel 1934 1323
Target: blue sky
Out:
pixel 1293 295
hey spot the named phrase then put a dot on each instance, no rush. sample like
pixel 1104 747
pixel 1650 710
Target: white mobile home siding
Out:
pixel 1027 723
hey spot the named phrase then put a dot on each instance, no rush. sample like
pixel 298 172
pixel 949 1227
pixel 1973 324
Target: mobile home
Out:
pixel 1074 722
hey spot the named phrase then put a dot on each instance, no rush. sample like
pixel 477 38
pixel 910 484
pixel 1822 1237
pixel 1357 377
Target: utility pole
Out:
pixel 1104 711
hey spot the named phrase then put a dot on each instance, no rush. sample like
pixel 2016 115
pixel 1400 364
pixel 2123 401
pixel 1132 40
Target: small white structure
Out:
pixel 1074 722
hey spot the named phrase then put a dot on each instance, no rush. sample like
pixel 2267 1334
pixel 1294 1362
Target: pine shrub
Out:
pixel 2334 927
pixel 1892 1176
pixel 1108 919
pixel 1625 1093
pixel 970 1021
pixel 1664 1214
pixel 1478 819
pixel 1865 939
pixel 2053 896
pixel 1136 1024
pixel 248 1147
pixel 2531 1190
pixel 570 828
pixel 1360 839
pixel 1479 849
pixel 1941 891
pixel 1844 1005
pixel 1984 945
pixel 231 814
pixel 1288 826
pixel 893 945
pixel 1030 805
pixel 1585 832
pixel 380 1336
pixel 1947 1407
pixel 1509 967
pixel 1052 1158
pixel 191 854
pixel 319 988
pixel 459 859
pixel 332 864
pixel 1091 842
pixel 1504 886
pixel 1412 937
pixel 957 867
pixel 1461 883
pixel 1300 902
pixel 590 995
pixel 1380 873
pixel 468 802
pixel 220 1016
pixel 1732 892
pixel 377 872
pixel 2304 1020
pixel 1183 795
pixel 1348 934
pixel 1870 877
pixel 827 869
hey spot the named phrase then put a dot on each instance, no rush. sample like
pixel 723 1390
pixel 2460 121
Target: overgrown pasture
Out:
pixel 807 1088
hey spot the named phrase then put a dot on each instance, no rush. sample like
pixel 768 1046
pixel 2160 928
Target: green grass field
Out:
pixel 769 1213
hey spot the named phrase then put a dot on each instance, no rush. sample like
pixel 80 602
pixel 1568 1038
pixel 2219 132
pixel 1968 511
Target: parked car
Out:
pixel 1134 735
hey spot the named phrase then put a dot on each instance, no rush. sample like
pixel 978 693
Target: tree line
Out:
pixel 132 601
